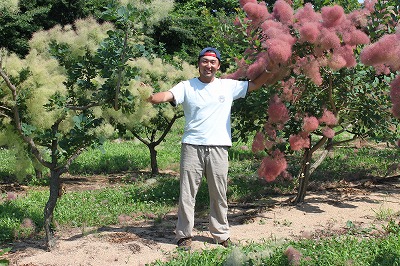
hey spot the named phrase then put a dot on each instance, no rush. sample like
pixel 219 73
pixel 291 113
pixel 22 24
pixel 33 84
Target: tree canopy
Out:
pixel 323 90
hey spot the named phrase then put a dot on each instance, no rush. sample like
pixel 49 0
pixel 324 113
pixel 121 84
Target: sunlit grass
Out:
pixel 7 164
pixel 351 163
pixel 338 250
pixel 93 207
pixel 117 157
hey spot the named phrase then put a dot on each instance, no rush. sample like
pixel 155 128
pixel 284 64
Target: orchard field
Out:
pixel 113 211
pixel 89 168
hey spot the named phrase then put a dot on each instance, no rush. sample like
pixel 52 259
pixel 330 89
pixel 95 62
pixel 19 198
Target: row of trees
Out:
pixel 19 19
pixel 79 82
pixel 176 33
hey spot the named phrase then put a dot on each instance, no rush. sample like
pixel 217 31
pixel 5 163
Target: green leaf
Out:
pixel 27 129
pixel 78 121
pixel 122 11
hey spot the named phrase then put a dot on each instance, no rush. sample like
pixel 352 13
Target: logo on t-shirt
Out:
pixel 221 98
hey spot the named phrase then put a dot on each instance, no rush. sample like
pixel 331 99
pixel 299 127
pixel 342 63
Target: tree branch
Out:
pixel 319 161
pixel 168 128
pixel 65 168
pixel 330 94
pixel 5 108
pixel 81 108
pixel 318 144
pixel 17 120
pixel 8 82
pixel 140 138
pixel 344 141
pixel 118 87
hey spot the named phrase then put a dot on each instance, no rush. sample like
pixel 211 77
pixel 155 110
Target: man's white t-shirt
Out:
pixel 207 109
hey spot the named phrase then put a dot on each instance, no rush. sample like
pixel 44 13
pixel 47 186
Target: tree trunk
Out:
pixel 38 174
pixel 49 208
pixel 153 160
pixel 304 177
pixel 307 168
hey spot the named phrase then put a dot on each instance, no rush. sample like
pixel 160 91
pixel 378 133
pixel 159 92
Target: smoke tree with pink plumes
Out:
pixel 384 56
pixel 321 94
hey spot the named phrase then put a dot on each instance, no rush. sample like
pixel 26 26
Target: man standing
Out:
pixel 207 103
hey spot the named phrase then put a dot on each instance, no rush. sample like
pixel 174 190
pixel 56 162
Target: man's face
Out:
pixel 208 66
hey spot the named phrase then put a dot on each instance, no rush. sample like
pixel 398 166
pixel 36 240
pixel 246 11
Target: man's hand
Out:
pixel 161 97
pixel 269 77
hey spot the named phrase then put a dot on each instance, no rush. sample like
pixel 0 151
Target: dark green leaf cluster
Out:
pixel 79 135
pixel 109 62
pixel 348 5
pixel 384 19
pixel 124 17
pixel 16 29
pixel 195 24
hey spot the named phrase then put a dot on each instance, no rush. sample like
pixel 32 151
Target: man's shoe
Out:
pixel 226 243
pixel 184 243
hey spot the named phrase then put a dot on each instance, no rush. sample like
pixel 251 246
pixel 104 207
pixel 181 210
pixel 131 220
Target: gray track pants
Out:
pixel 212 162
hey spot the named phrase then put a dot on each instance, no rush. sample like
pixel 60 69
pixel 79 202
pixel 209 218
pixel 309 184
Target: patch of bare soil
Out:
pixel 327 211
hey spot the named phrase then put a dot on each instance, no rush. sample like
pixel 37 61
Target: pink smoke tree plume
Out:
pixel 384 55
pixel 319 87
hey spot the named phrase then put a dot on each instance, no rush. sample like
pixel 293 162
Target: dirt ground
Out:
pixel 326 211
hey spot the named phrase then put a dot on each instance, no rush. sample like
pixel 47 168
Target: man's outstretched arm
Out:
pixel 161 97
pixel 268 78
pixel 265 78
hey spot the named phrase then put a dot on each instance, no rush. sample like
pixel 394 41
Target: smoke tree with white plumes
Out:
pixel 54 100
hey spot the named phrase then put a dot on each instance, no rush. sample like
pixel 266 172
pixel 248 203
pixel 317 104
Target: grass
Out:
pixel 8 164
pixel 384 214
pixel 4 262
pixel 117 157
pixel 22 217
pixel 91 208
pixel 347 163
pixel 338 251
